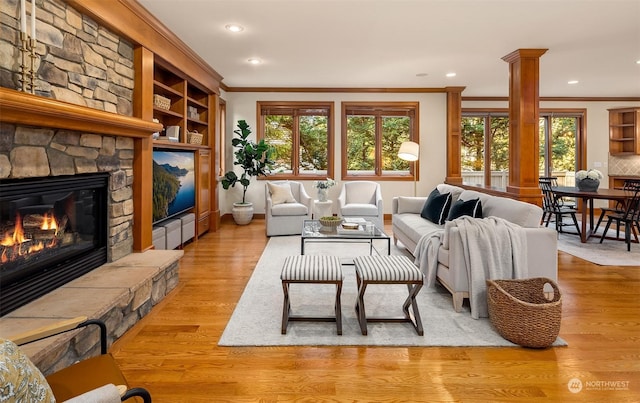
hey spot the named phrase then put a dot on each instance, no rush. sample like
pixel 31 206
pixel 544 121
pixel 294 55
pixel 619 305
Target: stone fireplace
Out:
pixel 52 231
pixel 114 284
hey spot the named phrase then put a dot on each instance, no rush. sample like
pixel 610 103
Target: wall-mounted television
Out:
pixel 174 190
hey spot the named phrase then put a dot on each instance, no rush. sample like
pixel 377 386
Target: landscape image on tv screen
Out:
pixel 173 183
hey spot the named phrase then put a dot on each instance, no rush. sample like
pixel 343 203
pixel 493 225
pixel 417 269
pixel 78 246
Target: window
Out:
pixel 301 134
pixel 561 137
pixel 372 133
pixel 480 132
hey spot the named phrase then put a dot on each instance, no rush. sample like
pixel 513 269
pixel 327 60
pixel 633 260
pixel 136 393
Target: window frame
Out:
pixel 581 132
pixel 379 109
pixel 261 106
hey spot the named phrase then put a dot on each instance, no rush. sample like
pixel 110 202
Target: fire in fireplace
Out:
pixel 52 230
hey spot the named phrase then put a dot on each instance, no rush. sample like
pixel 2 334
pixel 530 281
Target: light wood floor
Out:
pixel 173 351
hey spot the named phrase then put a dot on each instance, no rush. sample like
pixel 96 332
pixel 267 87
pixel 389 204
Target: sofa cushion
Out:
pixel 410 204
pixel 454 190
pixel 357 209
pixel 471 208
pixel 413 226
pixel 281 193
pixel 289 209
pixel 436 207
pixel 524 214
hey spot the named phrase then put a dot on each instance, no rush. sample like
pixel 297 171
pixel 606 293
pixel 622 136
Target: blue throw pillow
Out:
pixel 436 207
pixel 471 208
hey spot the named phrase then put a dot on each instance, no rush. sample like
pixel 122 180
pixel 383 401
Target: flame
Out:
pixel 18 234
pixel 49 222
pixel 16 241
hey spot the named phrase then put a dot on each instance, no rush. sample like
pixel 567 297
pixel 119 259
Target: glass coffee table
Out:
pixel 367 232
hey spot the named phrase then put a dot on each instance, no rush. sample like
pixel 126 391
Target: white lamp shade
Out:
pixel 409 151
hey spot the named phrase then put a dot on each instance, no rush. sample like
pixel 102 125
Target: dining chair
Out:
pixel 619 207
pixel 568 202
pixel 630 217
pixel 554 207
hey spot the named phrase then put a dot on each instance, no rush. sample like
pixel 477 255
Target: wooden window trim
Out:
pixel 379 109
pixel 296 108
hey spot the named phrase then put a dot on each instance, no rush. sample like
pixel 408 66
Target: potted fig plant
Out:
pixel 255 160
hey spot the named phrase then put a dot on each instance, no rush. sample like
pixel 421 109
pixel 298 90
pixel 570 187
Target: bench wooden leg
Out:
pixel 339 308
pixel 286 307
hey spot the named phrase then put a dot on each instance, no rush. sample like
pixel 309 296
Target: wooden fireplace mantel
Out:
pixel 34 110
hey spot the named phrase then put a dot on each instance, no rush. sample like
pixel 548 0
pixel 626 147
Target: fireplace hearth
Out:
pixel 52 230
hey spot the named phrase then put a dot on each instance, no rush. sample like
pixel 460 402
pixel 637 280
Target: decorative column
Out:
pixel 524 98
pixel 454 133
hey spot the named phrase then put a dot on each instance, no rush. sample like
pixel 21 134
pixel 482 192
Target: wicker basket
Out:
pixel 161 102
pixel 194 138
pixel 522 314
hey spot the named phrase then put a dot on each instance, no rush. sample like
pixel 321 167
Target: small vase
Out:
pixel 588 184
pixel 322 195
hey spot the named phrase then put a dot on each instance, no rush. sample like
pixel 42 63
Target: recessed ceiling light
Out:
pixel 451 74
pixel 637 61
pixel 234 28
pixel 422 74
pixel 254 60
pixel 573 82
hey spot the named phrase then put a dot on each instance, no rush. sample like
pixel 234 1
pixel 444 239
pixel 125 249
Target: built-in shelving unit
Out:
pixel 185 105
pixel 181 105
pixel 624 131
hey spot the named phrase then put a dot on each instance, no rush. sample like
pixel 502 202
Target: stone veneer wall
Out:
pixel 78 61
pixel 27 152
pixel 82 63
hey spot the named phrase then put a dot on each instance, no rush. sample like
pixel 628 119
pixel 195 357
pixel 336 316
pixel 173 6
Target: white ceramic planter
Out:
pixel 242 213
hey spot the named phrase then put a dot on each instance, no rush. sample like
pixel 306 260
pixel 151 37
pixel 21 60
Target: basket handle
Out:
pixel 492 290
pixel 556 290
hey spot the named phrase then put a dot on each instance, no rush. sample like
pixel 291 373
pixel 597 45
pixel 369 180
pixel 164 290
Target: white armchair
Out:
pixel 287 205
pixel 362 199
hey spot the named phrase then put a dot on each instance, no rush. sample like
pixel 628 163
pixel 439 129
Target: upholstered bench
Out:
pixel 312 270
pixel 388 270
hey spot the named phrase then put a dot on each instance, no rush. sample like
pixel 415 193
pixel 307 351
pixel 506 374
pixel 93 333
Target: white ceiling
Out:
pixel 386 43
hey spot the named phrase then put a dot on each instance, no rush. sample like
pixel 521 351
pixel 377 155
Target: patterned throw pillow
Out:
pixel 436 207
pixel 471 208
pixel 20 380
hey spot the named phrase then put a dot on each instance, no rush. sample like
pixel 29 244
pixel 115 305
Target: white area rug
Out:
pixel 257 318
pixel 608 253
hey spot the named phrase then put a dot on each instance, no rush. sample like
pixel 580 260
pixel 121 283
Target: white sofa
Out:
pixel 408 227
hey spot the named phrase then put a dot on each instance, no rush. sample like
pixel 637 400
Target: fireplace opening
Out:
pixel 52 230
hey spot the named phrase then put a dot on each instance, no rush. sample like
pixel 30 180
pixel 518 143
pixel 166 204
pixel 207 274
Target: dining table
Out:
pixel 588 197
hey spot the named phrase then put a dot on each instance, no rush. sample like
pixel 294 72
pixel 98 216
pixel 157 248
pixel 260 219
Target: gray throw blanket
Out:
pixel 426 254
pixel 494 248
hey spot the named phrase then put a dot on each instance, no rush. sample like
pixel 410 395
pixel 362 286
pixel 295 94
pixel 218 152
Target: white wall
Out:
pixel 433 114
pixel 433 124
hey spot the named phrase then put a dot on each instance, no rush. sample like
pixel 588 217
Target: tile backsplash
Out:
pixel 624 165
